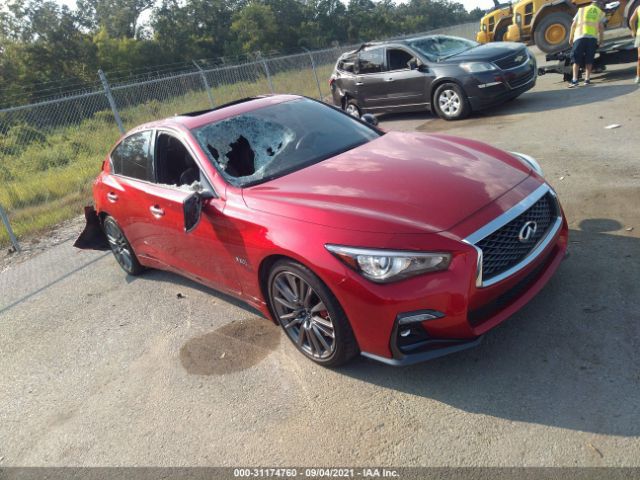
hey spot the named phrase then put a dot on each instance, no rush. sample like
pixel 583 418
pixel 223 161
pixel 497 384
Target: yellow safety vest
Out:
pixel 588 20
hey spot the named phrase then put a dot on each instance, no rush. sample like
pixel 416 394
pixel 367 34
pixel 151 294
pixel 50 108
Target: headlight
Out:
pixel 475 67
pixel 529 162
pixel 383 266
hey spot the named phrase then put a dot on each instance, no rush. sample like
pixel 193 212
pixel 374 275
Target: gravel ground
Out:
pixel 103 369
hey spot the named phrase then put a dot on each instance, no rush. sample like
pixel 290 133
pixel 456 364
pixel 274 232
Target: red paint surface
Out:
pixel 405 191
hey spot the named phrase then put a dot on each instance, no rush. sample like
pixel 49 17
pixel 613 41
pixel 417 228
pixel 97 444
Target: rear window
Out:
pixel 371 61
pixel 132 157
pixel 347 64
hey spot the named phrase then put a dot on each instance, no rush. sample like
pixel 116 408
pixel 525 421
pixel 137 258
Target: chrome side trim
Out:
pixel 492 84
pixel 501 221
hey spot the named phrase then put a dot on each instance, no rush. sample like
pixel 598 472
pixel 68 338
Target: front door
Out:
pixel 406 86
pixel 200 253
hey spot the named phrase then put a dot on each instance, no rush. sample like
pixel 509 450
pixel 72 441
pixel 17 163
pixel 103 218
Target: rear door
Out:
pixel 131 174
pixel 372 89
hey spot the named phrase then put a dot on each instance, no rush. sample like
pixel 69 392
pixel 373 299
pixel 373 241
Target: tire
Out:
pixel 628 12
pixel 352 108
pixel 310 314
pixel 500 33
pixel 121 248
pixel 552 33
pixel 450 102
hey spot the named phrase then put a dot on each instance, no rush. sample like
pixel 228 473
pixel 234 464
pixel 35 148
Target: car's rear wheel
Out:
pixel 451 102
pixel 352 108
pixel 121 248
pixel 310 314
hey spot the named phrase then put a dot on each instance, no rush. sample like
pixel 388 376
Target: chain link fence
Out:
pixel 52 150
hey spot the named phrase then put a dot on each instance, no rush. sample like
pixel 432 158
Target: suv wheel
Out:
pixel 451 102
pixel 351 107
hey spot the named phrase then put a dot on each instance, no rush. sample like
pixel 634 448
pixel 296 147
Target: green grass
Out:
pixel 46 176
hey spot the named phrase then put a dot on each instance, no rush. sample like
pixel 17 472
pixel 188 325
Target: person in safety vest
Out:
pixel 586 34
pixel 634 24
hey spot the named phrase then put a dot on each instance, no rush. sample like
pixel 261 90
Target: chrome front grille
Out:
pixel 503 249
pixel 505 246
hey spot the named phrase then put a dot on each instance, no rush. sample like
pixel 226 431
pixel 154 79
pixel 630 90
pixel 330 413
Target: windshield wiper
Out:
pixel 457 53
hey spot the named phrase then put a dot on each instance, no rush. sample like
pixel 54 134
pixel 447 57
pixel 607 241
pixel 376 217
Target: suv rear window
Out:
pixel 347 64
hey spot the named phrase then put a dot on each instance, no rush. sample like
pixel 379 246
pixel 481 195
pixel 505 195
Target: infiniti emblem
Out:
pixel 527 231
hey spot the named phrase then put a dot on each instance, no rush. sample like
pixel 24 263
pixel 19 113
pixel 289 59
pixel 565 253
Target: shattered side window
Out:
pixel 271 141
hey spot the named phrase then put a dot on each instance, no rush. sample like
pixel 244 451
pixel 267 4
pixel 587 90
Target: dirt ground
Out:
pixel 103 369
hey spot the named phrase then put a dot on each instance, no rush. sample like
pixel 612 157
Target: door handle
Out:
pixel 156 211
pixel 359 83
pixel 390 79
pixel 112 197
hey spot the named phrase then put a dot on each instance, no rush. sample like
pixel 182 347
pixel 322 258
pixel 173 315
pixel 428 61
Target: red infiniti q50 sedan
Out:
pixel 400 246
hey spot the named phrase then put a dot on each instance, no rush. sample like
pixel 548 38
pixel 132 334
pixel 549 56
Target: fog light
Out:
pixel 405 333
pixel 419 316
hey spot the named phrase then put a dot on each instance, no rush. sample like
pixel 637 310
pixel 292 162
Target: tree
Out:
pixel 118 17
pixel 255 27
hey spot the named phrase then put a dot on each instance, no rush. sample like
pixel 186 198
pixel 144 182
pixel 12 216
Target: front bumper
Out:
pixel 466 311
pixel 493 88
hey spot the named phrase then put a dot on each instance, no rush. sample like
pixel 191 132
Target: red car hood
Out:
pixel 398 183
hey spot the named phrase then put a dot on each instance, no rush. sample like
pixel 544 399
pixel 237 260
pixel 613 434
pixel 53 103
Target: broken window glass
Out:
pixel 270 141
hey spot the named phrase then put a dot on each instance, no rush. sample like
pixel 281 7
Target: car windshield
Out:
pixel 441 47
pixel 272 141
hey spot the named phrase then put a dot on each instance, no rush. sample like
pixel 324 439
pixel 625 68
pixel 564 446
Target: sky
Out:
pixel 468 4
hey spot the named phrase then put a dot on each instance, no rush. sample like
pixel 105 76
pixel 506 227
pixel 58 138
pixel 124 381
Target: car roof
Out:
pixel 197 119
pixel 402 42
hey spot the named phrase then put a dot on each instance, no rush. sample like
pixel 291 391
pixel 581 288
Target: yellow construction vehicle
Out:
pixel 494 24
pixel 547 23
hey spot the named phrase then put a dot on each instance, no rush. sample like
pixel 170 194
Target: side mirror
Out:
pixel 413 64
pixel 192 208
pixel 370 119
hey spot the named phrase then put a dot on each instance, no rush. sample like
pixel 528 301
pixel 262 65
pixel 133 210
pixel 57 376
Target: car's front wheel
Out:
pixel 121 248
pixel 451 102
pixel 310 314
